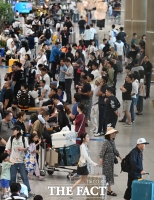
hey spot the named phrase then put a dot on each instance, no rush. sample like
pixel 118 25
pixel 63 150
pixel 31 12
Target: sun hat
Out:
pixel 111 130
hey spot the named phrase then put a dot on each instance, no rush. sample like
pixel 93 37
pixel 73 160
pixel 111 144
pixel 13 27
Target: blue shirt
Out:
pixel 74 108
pixel 54 52
pixel 62 75
pixel 31 42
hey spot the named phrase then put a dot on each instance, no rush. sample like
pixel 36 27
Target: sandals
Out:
pixel 111 193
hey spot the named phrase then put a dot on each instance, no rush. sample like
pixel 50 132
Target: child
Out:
pixel 32 149
pixel 5 175
pixel 31 76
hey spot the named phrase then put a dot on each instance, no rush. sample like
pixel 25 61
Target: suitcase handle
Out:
pixel 147 174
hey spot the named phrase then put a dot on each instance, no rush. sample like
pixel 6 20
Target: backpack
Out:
pixel 23 100
pixel 48 33
pixel 125 164
pixel 23 140
pixel 114 34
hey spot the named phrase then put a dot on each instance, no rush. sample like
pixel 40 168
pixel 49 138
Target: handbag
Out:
pixel 76 132
pixel 115 158
pixel 142 90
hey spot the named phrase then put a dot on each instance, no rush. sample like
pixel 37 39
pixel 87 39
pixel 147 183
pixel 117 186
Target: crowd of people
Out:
pixel 45 74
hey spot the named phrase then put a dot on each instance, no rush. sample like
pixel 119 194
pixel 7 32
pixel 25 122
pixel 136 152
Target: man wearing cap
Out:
pixel 136 166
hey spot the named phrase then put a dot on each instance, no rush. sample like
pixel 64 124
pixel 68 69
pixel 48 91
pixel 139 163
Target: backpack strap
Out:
pixel 23 141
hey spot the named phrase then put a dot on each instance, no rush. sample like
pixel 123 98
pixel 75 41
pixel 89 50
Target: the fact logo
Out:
pixel 80 191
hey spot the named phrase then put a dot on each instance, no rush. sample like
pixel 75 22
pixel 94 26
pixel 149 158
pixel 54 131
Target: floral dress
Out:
pixel 108 154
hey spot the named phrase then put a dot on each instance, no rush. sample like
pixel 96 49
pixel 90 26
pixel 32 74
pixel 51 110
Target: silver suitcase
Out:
pixel 63 139
pixel 72 37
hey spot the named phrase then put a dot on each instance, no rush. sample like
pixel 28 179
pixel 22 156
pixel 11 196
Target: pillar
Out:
pixel 135 18
pixel 122 21
pixel 150 31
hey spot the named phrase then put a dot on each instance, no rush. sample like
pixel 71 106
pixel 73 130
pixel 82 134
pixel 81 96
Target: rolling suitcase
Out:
pixel 41 160
pixel 51 157
pixel 97 181
pixel 61 157
pixel 143 189
pixel 72 37
pixel 11 61
pixel 63 139
pixel 72 155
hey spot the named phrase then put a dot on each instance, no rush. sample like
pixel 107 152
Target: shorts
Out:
pixel 5 183
pixel 126 105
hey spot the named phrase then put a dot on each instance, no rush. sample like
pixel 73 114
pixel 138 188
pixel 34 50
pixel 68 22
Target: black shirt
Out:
pixel 68 25
pixel 22 125
pixel 86 88
pixel 112 104
pixel 101 98
pixel 82 23
pixel 106 49
pixel 132 54
pixel 122 36
pixel 31 76
pixel 19 78
pixel 8 95
pixel 147 68
pixel 127 95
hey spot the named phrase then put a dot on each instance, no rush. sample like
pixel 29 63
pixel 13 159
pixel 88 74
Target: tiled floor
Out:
pixel 125 141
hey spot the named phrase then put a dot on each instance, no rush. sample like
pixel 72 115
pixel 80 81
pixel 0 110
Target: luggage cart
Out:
pixel 45 168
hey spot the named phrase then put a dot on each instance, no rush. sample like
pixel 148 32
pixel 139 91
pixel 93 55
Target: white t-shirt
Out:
pixel 47 88
pixel 27 29
pixel 96 74
pixel 23 52
pixel 92 49
pixel 14 149
pixel 101 46
pixel 9 42
pixel 113 38
pixel 42 60
pixel 46 78
pixel 59 25
pixel 92 32
pixel 87 34
pixel 119 48
pixel 30 16
pixel 36 22
pixel 135 86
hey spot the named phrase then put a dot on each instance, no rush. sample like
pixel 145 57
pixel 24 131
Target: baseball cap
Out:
pixel 142 141
pixel 17 127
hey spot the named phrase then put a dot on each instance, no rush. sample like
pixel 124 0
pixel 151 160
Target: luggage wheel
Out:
pixel 51 171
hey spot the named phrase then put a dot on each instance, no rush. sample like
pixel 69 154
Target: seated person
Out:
pixel 15 110
pixel 45 89
pixel 62 119
pixel 61 94
pixel 23 96
pixel 15 189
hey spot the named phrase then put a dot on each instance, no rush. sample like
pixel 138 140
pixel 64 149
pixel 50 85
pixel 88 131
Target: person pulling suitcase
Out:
pixel 135 165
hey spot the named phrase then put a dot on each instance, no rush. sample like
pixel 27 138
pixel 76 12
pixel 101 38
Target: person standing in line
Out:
pixel 127 100
pixel 112 35
pixel 81 24
pixel 101 106
pixel 68 80
pixel 136 166
pixel 61 74
pixel 148 73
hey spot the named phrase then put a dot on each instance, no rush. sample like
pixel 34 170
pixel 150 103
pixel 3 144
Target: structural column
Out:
pixel 135 18
pixel 150 31
pixel 122 21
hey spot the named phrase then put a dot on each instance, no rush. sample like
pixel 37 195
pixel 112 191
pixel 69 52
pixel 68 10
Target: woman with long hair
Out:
pixel 85 162
pixel 78 66
pixel 17 146
pixel 23 51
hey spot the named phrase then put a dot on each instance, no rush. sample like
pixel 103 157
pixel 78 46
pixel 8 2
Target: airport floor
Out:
pixel 125 141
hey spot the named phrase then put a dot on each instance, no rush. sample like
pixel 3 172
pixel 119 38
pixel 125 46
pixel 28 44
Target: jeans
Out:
pixel 23 173
pixel 140 104
pixel 101 118
pixel 68 83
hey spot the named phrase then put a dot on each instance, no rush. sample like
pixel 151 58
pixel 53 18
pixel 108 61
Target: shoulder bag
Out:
pixel 76 132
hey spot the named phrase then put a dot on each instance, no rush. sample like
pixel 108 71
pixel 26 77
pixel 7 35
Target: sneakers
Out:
pixel 128 125
pixel 4 196
pixel 98 134
pixel 31 194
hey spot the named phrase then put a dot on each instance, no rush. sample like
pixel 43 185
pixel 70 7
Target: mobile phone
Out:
pixel 29 122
